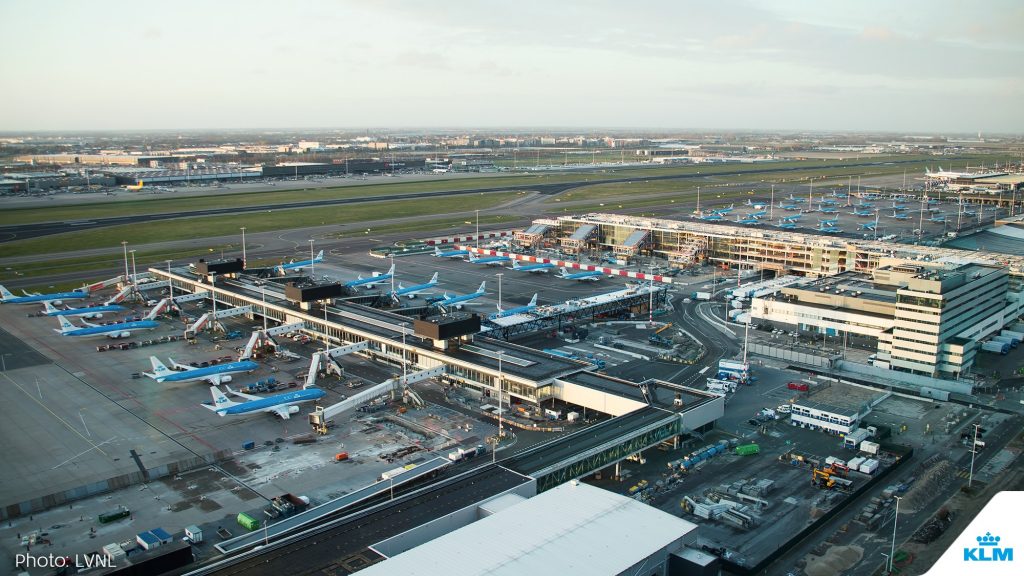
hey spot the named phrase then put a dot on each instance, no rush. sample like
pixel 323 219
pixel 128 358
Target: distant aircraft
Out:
pixel 590 276
pixel 135 187
pixel 862 213
pixel 796 199
pixel 293 264
pixel 896 206
pixel 490 260
pixel 790 207
pixel 938 219
pixel 281 405
pixel 828 229
pixel 828 210
pixel 539 268
pixel 758 214
pixel 91 312
pixel 899 215
pixel 215 375
pixel 748 221
pixel 869 226
pixel 756 205
pixel 450 254
pixel 786 224
pixel 115 330
pixel 447 301
pixel 712 217
pixel 373 280
pixel 725 210
pixel 517 310
pixel 826 202
pixel 413 291
pixel 837 194
pixel 56 297
pixel 792 217
pixel 828 221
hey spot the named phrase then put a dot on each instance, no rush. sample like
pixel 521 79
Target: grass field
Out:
pixel 256 222
pixel 84 264
pixel 163 204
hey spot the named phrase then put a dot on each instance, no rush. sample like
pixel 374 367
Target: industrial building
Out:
pixel 926 318
pixel 548 534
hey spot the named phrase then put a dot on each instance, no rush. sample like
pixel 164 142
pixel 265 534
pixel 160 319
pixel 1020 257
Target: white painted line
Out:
pixel 703 370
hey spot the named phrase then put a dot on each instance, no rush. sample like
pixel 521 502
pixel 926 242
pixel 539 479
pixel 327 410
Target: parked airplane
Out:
pixel 896 206
pixel 790 207
pixel 725 210
pixel 450 254
pixel 590 276
pixel 796 199
pixel 756 205
pixel 447 301
pixel 828 210
pixel 938 219
pixel 712 217
pixel 792 217
pixel 215 375
pixel 293 264
pixel 115 330
pixel 786 224
pixel 869 226
pixel 539 268
pixel 862 213
pixel 758 214
pixel 899 215
pixel 56 297
pixel 828 229
pixel 826 202
pixel 490 260
pixel 373 280
pixel 517 310
pixel 748 221
pixel 281 405
pixel 413 291
pixel 969 213
pixel 87 312
pixel 828 221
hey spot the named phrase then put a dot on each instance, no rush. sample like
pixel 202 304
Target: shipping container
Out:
pixel 702 295
pixel 869 466
pixel 341 456
pixel 854 463
pixel 1013 334
pixel 800 386
pixel 247 522
pixel 1006 340
pixel 194 534
pixel 869 447
pixel 996 347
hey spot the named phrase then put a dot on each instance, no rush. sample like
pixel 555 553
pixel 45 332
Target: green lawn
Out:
pixel 183 229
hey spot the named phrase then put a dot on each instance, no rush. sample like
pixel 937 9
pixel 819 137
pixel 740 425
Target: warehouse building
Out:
pixel 572 529
pixel 831 419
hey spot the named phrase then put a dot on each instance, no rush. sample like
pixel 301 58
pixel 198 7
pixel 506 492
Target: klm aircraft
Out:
pixel 517 310
pixel 373 280
pixel 281 405
pixel 413 291
pixel 7 298
pixel 592 276
pixel 490 260
pixel 116 330
pixel 215 375
pixel 458 301
pixel 293 264
pixel 88 312
pixel 450 254
pixel 539 268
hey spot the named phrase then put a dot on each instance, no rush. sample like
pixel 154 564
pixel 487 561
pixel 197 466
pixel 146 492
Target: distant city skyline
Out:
pixel 911 67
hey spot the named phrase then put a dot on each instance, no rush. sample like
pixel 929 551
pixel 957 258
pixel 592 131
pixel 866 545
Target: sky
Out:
pixel 915 66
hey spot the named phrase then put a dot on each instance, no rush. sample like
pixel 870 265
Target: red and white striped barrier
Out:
pixel 571 265
pixel 469 238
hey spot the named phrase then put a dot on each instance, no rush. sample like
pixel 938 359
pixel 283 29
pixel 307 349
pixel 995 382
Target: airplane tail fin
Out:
pixel 391 271
pixel 319 256
pixel 65 325
pixel 564 271
pixel 433 279
pixel 437 251
pixel 483 285
pixel 515 264
pixel 220 401
pixel 533 301
pixel 49 307
pixel 5 293
pixel 158 368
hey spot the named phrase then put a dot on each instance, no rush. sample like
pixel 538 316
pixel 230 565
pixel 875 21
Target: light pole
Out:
pixel 3 359
pixel 895 517
pixel 124 245
pixel 974 448
pixel 263 292
pixel 170 282
pixel 213 292
pixel 312 263
pixel 243 247
pixel 501 394
pixel 477 228
pixel 135 277
pixel 499 275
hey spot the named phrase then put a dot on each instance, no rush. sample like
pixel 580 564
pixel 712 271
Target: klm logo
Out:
pixel 988 550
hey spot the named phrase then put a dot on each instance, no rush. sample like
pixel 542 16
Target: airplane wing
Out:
pixel 281 411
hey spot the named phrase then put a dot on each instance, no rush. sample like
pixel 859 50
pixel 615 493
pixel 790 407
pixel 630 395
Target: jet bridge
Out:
pixel 264 336
pixel 205 318
pixel 321 416
pixel 327 359
pixel 103 284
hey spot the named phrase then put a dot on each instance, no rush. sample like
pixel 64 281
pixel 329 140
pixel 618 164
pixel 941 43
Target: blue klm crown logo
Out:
pixel 988 550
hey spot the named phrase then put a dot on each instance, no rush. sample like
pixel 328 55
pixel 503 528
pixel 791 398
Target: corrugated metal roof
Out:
pixel 571 529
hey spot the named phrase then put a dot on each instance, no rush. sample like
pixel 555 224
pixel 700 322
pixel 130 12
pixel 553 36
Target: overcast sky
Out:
pixel 909 66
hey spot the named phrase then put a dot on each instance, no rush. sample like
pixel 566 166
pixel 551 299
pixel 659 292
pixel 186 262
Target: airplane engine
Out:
pixel 458 306
pixel 412 296
pixel 95 315
pixel 124 334
pixel 57 302
pixel 225 378
pixel 293 409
